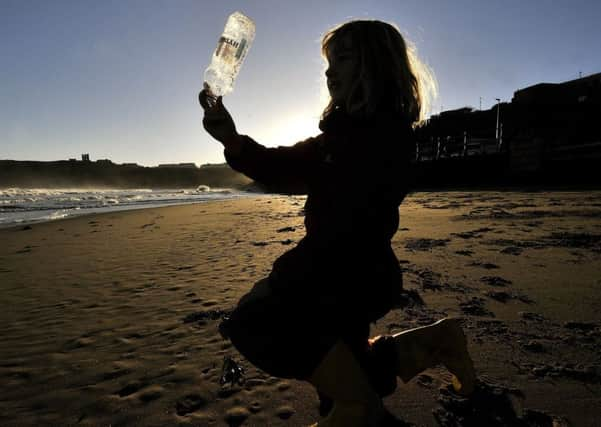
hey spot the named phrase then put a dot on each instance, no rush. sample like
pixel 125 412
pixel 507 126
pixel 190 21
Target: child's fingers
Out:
pixel 207 101
pixel 204 100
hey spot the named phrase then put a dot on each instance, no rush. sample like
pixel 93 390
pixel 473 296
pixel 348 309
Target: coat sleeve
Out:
pixel 282 169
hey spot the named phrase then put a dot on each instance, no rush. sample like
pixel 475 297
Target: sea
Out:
pixel 24 206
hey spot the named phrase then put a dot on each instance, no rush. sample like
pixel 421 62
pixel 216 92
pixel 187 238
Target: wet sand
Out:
pixel 112 318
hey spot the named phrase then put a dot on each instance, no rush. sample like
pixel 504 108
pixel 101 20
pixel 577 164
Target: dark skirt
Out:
pixel 287 336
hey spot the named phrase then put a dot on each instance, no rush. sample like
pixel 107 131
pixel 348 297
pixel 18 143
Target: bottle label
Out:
pixel 240 50
pixel 224 45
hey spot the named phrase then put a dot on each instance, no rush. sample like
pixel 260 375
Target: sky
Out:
pixel 119 79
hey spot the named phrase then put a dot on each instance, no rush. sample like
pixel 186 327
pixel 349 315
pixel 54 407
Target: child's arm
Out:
pixel 218 122
pixel 281 169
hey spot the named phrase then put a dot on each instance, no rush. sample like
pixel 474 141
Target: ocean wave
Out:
pixel 18 205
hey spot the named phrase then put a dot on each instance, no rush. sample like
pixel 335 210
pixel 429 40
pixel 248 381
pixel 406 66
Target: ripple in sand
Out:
pixel 151 393
pixel 131 388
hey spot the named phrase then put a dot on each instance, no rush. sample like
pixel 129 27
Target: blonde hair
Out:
pixel 390 75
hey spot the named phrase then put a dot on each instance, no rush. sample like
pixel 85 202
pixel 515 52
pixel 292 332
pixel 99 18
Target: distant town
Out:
pixel 548 134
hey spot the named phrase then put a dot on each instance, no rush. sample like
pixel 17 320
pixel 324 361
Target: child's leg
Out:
pixel 421 348
pixel 340 377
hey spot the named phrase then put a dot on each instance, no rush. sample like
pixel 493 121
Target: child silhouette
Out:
pixel 310 318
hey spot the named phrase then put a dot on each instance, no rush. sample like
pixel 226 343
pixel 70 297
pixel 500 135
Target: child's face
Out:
pixel 342 68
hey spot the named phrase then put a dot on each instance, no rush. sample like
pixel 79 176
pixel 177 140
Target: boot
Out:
pixel 340 377
pixel 443 343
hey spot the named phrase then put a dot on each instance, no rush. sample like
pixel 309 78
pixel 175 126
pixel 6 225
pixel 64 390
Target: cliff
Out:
pixel 105 174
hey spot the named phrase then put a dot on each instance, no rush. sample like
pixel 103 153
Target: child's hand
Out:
pixel 217 120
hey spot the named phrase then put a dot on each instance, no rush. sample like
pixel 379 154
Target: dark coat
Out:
pixel 356 174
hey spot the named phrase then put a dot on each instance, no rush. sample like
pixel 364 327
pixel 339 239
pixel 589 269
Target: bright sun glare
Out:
pixel 292 129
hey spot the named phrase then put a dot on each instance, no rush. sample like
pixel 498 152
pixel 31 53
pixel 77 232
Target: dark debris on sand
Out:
pixel 495 281
pixel 425 244
pixel 486 265
pixel 491 405
pixel 206 315
pixel 473 233
pixel 475 307
pixel 503 296
pixel 590 374
pixel 231 372
pixel 576 240
pixel 429 280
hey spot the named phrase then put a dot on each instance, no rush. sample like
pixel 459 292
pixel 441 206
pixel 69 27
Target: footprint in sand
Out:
pixel 285 412
pixel 190 403
pixel 210 303
pixel 236 416
pixel 255 407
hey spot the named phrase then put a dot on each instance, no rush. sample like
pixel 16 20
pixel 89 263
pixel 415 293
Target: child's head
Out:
pixel 371 69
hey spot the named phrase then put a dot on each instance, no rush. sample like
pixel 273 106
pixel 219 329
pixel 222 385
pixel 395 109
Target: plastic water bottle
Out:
pixel 232 47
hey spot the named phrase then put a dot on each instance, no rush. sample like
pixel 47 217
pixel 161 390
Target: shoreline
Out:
pixel 75 213
pixel 108 209
pixel 95 309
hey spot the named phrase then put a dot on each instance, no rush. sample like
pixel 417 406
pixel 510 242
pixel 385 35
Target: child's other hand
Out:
pixel 217 120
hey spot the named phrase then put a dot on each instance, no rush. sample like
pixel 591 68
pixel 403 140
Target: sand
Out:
pixel 112 319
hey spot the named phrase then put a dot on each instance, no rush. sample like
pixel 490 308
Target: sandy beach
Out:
pixel 111 319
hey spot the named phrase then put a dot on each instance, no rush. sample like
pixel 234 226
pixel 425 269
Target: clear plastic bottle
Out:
pixel 232 47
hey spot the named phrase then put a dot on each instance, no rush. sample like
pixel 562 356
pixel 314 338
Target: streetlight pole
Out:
pixel 497 127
